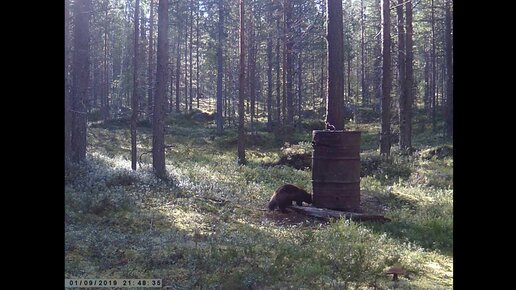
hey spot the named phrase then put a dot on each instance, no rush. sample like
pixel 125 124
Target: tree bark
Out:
pixel 324 80
pixel 81 72
pixel 134 101
pixel 362 52
pixel 68 107
pixel 187 108
pixel 378 61
pixel 241 87
pixel 426 98
pixel 251 60
pixel 300 84
pixel 385 134
pixel 409 81
pixel 178 72
pixel 287 64
pixel 197 83
pixel 226 98
pixel 284 79
pixel 142 57
pixel 150 84
pixel 335 60
pixel 232 86
pixel 269 76
pixel 402 77
pixel 324 69
pixel 434 72
pixel 190 50
pixel 220 69
pixel 279 114
pixel 158 124
pixel 104 100
pixel 449 72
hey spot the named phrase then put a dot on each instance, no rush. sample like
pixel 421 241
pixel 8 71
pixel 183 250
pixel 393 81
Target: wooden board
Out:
pixel 326 214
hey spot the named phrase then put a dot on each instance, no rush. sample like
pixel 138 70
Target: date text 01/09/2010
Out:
pixel 72 283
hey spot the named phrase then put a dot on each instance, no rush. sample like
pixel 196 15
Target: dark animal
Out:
pixel 286 194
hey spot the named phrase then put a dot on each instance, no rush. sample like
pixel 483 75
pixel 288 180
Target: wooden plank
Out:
pixel 326 214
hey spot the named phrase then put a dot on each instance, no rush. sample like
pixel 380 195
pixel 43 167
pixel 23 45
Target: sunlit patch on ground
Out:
pixel 209 224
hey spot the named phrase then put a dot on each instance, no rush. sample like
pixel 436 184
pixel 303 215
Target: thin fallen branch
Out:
pixel 327 214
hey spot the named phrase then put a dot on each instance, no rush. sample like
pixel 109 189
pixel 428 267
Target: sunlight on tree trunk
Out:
pixel 335 60
pixel 158 132
pixel 385 135
pixel 241 82
pixel 81 72
pixel 135 100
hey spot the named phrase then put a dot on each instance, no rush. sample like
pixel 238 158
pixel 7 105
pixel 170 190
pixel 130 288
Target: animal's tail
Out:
pixel 273 204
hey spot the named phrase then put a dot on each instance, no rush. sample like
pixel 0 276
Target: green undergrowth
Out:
pixel 207 227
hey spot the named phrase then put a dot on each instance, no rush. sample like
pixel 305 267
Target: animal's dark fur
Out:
pixel 286 194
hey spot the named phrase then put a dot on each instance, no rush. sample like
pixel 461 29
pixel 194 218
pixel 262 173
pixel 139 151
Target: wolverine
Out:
pixel 286 194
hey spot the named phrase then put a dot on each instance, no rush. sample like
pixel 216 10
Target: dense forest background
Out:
pixel 182 117
pixel 285 63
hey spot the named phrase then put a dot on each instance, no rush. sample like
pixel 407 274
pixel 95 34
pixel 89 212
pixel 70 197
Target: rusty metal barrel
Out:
pixel 336 169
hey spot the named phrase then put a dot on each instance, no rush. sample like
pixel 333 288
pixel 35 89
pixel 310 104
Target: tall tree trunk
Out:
pixel 449 72
pixel 279 113
pixel 171 103
pixel 288 62
pixel 134 101
pixel 358 93
pixel 187 108
pixel 68 107
pixel 197 83
pixel 409 81
pixel 378 60
pixel 81 72
pixel 269 76
pixel 158 124
pixel 323 80
pixel 385 134
pixel 348 68
pixel 434 72
pixel 362 49
pixel 220 71
pixel 190 49
pixel 241 87
pixel 232 86
pixel 284 81
pixel 300 84
pixel 251 60
pixel 141 60
pixel 226 97
pixel 402 77
pixel 442 82
pixel 150 84
pixel 104 102
pixel 426 98
pixel 313 83
pixel 178 72
pixel 335 59
pixel 95 80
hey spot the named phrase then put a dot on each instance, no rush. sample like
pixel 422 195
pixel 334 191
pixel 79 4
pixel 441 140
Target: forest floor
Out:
pixel 207 227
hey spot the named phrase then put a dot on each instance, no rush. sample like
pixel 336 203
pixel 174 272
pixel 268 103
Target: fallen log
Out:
pixel 326 214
